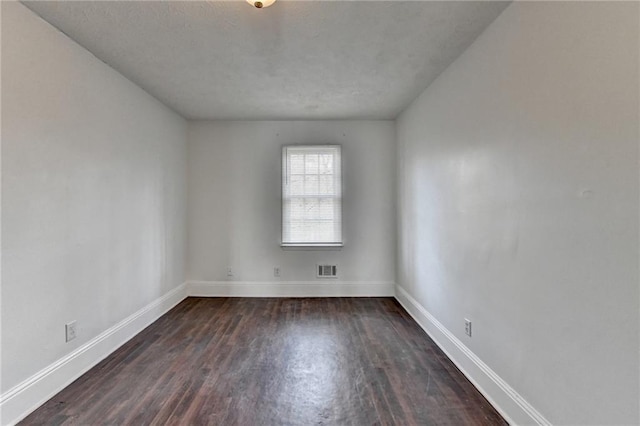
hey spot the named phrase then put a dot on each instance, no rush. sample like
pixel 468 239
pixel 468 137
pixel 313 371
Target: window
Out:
pixel 311 196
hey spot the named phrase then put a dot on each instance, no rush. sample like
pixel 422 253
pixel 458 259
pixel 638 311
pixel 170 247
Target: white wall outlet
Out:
pixel 467 327
pixel 229 272
pixel 70 331
pixel 276 271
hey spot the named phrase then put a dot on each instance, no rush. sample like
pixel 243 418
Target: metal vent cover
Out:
pixel 327 271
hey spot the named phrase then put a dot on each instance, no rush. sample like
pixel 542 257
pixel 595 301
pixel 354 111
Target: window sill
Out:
pixel 302 246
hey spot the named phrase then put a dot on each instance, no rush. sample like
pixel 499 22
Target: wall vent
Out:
pixel 327 271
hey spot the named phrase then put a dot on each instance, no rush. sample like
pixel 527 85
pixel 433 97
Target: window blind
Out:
pixel 311 195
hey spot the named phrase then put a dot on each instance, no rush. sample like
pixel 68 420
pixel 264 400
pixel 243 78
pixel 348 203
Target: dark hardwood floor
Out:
pixel 231 361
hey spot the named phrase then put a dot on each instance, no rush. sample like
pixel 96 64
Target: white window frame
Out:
pixel 286 196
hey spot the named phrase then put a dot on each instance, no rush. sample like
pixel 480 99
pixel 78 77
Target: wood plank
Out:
pixel 252 361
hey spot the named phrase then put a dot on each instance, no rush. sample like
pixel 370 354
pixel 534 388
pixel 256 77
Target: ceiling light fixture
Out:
pixel 259 4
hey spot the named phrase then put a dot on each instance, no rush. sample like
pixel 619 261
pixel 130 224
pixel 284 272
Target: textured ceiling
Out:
pixel 293 60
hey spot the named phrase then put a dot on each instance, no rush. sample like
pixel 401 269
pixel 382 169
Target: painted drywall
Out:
pixel 93 191
pixel 234 208
pixel 518 205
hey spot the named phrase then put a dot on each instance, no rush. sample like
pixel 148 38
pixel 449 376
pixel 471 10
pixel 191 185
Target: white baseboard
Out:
pixel 319 288
pixel 22 399
pixel 509 403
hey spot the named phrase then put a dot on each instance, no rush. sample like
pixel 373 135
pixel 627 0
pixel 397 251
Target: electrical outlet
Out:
pixel 229 272
pixel 276 271
pixel 467 327
pixel 70 331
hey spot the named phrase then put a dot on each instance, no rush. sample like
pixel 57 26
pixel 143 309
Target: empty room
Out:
pixel 261 212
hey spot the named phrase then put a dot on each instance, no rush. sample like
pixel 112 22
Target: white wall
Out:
pixel 518 188
pixel 93 191
pixel 234 212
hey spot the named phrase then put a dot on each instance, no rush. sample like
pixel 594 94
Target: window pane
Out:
pixel 297 163
pixel 311 184
pixel 325 185
pixel 297 231
pixel 310 209
pixel 296 209
pixel 325 231
pixel 326 164
pixel 296 185
pixel 311 164
pixel 326 209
